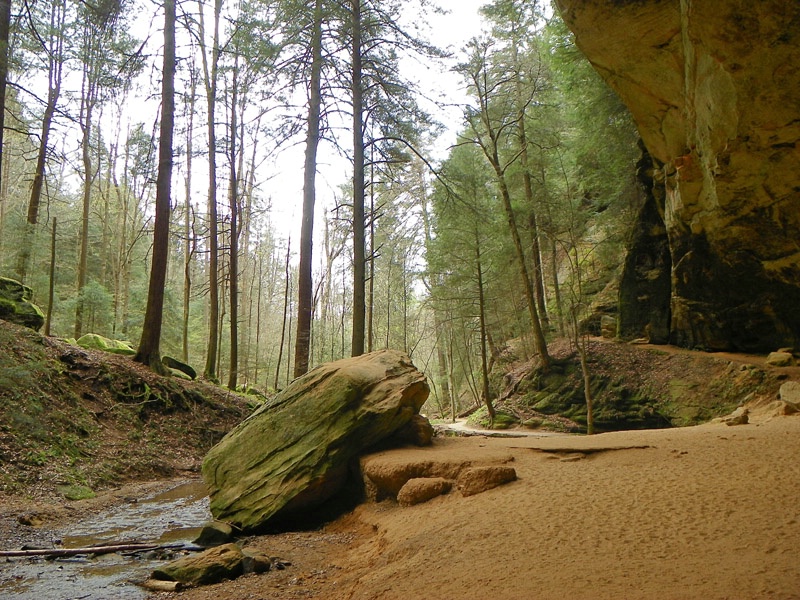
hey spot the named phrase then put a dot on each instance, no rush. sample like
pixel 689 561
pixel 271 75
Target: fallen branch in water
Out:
pixel 56 552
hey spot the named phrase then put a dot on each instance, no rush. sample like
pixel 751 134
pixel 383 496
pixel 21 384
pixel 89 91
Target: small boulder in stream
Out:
pixel 215 565
pixel 294 452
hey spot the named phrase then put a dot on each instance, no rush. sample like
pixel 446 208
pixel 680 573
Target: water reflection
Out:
pixel 173 516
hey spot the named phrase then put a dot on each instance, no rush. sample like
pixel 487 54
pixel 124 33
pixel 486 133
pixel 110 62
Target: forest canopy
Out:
pixel 447 255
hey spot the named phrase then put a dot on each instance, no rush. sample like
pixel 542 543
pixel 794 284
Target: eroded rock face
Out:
pixel 295 451
pixel 714 88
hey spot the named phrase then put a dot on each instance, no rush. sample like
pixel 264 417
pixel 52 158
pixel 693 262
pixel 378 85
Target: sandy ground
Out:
pixel 704 512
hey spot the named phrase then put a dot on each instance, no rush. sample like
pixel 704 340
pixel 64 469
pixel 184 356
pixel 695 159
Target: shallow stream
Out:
pixel 174 516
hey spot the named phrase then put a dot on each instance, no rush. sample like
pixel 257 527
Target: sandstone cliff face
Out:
pixel 714 88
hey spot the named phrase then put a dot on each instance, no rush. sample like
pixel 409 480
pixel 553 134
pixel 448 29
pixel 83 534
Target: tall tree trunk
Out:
pixel 304 276
pixel 371 288
pixel 441 353
pixel 54 71
pixel 487 399
pixel 5 27
pixel 188 223
pixel 538 333
pixel 359 262
pixel 210 72
pixel 522 140
pixel 51 294
pixel 536 250
pixel 286 290
pixel 233 196
pixel 148 352
pixel 87 107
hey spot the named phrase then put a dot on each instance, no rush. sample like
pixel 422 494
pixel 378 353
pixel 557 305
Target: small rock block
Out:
pixel 422 489
pixel 211 566
pixel 790 392
pixel 213 534
pixel 780 359
pixel 479 479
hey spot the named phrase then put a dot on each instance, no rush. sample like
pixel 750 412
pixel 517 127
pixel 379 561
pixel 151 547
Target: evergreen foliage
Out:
pixel 442 276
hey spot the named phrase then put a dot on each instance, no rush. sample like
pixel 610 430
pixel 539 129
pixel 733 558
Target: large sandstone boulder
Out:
pixel 714 88
pixel 295 451
pixel 16 305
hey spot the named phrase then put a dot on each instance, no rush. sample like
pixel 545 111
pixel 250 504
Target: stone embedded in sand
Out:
pixel 780 359
pixel 386 472
pixel 480 479
pixel 295 451
pixel 790 392
pixel 738 417
pixel 422 489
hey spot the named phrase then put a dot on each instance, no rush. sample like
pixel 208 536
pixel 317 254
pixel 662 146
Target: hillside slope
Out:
pixel 74 421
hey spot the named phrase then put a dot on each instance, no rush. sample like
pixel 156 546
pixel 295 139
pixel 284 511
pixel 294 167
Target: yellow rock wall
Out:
pixel 714 87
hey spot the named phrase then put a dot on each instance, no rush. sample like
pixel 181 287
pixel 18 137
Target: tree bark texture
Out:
pixel 305 291
pixel 359 262
pixel 148 352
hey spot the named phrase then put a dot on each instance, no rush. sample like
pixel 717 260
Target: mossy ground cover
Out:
pixel 633 387
pixel 74 421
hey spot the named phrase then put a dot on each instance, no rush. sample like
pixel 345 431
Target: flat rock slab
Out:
pixel 294 452
pixel 386 473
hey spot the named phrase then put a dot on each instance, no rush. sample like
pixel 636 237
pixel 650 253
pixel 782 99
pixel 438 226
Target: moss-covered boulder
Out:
pixel 93 341
pixel 213 566
pixel 16 305
pixel 293 453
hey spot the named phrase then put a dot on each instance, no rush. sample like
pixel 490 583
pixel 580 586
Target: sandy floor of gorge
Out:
pixel 703 512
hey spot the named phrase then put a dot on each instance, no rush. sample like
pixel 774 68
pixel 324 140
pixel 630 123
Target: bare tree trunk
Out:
pixel 371 288
pixel 305 291
pixel 538 333
pixel 87 106
pixel 441 354
pixel 51 292
pixel 258 318
pixel 54 71
pixel 587 389
pixel 487 399
pixel 451 375
pixel 188 224
pixel 148 352
pixel 286 290
pixel 233 197
pixel 359 262
pixel 5 26
pixel 210 72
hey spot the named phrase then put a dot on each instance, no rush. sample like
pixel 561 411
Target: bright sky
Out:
pixel 450 32
pixel 282 177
